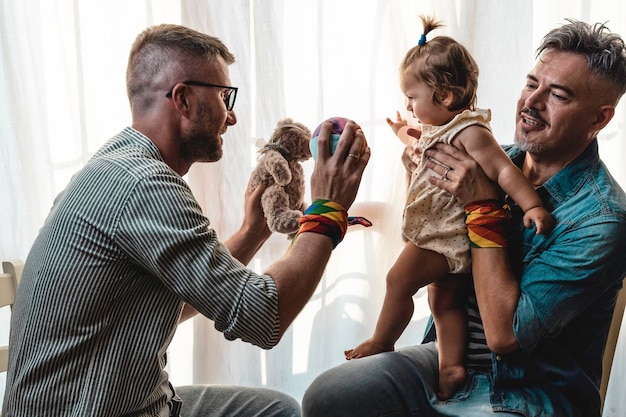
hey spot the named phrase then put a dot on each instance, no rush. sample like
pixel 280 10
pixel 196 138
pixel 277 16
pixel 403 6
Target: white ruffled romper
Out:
pixel 433 219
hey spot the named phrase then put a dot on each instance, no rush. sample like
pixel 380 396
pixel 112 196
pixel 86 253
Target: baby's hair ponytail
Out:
pixel 429 23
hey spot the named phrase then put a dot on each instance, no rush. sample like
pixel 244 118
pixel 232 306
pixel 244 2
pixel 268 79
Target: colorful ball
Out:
pixel 338 124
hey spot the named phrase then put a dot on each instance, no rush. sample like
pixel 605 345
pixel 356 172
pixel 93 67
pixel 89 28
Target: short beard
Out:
pixel 525 146
pixel 198 145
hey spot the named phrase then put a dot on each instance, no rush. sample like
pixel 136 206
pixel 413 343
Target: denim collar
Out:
pixel 570 179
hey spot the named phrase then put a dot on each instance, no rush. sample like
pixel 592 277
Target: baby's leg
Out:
pixel 446 303
pixel 414 268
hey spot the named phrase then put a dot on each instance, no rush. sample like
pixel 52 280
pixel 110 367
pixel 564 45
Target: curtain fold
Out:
pixel 62 68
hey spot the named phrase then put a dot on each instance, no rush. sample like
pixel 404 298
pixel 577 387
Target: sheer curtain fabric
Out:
pixel 62 69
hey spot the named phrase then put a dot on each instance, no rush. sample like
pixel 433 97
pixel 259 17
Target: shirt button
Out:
pixel 498 358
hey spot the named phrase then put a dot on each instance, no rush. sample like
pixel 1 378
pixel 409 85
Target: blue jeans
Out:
pixel 401 383
pixel 229 401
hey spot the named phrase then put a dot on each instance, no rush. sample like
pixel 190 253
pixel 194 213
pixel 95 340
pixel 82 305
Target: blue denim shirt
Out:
pixel 569 285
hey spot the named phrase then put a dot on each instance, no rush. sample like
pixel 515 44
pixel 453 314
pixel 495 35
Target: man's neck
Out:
pixel 539 167
pixel 540 171
pixel 161 135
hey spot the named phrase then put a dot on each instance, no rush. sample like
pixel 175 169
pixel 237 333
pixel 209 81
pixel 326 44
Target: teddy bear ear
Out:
pixel 260 143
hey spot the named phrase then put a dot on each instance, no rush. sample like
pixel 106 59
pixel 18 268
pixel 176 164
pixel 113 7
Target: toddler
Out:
pixel 439 79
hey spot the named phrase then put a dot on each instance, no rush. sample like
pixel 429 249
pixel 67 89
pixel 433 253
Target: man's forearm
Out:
pixel 298 273
pixel 497 293
pixel 245 243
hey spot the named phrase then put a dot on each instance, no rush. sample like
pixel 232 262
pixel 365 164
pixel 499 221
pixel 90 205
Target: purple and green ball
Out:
pixel 338 124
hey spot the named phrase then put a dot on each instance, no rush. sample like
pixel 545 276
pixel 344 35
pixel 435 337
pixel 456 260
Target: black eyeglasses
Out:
pixel 229 94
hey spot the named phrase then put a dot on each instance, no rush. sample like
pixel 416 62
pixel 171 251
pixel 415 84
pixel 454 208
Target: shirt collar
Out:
pixel 142 142
pixel 571 178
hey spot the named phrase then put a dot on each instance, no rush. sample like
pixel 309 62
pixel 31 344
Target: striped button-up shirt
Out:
pixel 124 246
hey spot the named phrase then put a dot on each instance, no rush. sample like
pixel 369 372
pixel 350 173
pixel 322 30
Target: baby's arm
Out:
pixel 516 185
pixel 480 144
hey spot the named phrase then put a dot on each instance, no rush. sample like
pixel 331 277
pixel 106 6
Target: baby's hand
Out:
pixel 541 218
pixel 397 125
pixel 403 131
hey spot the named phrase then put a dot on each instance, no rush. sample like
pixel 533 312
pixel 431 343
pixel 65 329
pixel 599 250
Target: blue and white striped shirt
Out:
pixel 103 287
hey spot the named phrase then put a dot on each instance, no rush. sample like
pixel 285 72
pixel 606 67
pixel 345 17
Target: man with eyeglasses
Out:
pixel 126 253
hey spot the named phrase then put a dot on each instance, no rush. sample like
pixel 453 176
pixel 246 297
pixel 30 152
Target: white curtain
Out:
pixel 62 90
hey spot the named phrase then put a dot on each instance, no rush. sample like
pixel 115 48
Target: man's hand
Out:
pixel 253 211
pixel 337 177
pixel 254 231
pixel 459 174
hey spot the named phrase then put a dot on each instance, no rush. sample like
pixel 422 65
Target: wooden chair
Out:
pixel 9 280
pixel 611 342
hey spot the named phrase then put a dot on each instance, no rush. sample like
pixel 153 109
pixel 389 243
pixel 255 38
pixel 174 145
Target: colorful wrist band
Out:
pixel 486 222
pixel 327 218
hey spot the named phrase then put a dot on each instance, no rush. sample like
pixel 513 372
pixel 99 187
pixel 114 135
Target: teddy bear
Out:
pixel 279 169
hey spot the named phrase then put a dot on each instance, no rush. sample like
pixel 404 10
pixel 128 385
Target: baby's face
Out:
pixel 419 101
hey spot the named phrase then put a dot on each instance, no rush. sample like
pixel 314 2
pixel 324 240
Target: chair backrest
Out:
pixel 611 342
pixel 9 279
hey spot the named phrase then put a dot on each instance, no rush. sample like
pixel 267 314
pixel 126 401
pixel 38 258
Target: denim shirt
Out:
pixel 571 277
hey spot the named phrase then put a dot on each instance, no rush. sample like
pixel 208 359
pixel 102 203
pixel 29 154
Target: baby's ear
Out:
pixel 446 98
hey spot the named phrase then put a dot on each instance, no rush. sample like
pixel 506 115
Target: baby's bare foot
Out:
pixel 450 380
pixel 367 348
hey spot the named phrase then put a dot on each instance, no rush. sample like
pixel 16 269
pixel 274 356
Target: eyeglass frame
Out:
pixel 228 102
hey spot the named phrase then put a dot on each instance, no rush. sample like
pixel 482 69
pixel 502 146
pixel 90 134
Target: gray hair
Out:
pixel 605 52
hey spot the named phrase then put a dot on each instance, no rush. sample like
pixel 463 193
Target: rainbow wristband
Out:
pixel 327 218
pixel 486 222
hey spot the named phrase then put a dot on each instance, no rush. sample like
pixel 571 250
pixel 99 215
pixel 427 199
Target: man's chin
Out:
pixel 198 155
pixel 212 158
pixel 526 146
